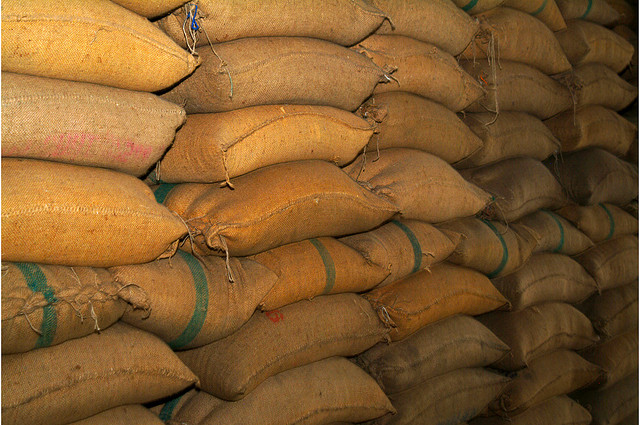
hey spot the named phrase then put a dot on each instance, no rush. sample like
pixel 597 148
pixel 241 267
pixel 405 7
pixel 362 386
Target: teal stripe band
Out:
pixel 544 4
pixel 202 302
pixel 415 244
pixel 37 282
pixel 329 266
pixel 588 9
pixel 612 224
pixel 167 410
pixel 505 250
pixel 555 218
pixel 470 5
pixel 162 191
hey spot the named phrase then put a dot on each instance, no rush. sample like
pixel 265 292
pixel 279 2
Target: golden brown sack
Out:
pixel 545 10
pixel 597 11
pixel 600 222
pixel 556 234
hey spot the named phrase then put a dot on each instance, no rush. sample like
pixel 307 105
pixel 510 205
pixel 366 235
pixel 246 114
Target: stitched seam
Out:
pixel 127 212
pixel 405 313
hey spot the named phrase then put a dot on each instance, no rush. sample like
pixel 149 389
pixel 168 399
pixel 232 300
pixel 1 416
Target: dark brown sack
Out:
pixel 123 415
pixel 597 84
pixel 625 10
pixel 546 11
pixel 559 410
pixel 612 263
pixel 556 234
pixel 618 357
pixel 612 405
pixel 600 222
pixel 615 311
pixel 597 11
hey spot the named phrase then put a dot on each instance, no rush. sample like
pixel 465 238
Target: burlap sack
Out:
pixel 514 86
pixel 96 42
pixel 600 222
pixel 508 135
pixel 597 11
pixel 618 357
pixel 597 84
pixel 151 8
pixel 630 74
pixel 631 419
pixel 422 186
pixel 545 10
pixel 341 22
pixel 546 277
pixel 420 68
pixel 267 71
pixel 404 120
pixel 560 410
pixel 615 311
pixel 189 407
pixel 450 344
pixel 47 305
pixel 295 335
pixel 625 10
pixel 556 233
pixel 431 295
pixel 315 267
pixel 474 7
pixel 612 405
pixel 123 415
pixel 83 216
pixel 403 247
pixel 215 147
pixel 491 247
pixel 509 34
pixel 85 124
pixel 82 377
pixel 612 263
pixel 539 330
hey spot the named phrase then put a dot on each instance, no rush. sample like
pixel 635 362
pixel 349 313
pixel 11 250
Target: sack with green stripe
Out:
pixel 189 302
pixel 123 415
pixel 556 233
pixel 546 11
pixel 615 311
pixel 612 263
pixel 597 11
pixel 45 305
pixel 473 7
pixel 600 222
pixel 186 407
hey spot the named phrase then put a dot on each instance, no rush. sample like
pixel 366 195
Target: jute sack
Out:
pixel 446 399
pixel 422 20
pixel 625 10
pixel 594 176
pixel 85 124
pixel 508 135
pixel 405 120
pixel 538 330
pixel 554 374
pixel 422 186
pixel 474 7
pixel 189 407
pixel 83 216
pixel 403 247
pixel 266 71
pixel 318 266
pixel 556 233
pixel 151 9
pixel 612 263
pixel 82 377
pixel 600 222
pixel 509 34
pixel 597 84
pixel 340 22
pixel 519 186
pixel 46 305
pixel 295 335
pixel 190 302
pixel 593 126
pixel 491 247
pixel 631 419
pixel 123 415
pixel 215 147
pixel 95 42
pixel 560 410
pixel 612 405
pixel 431 295
pixel 420 68
pixel 277 205
pixel 447 345
pixel 630 74
pixel 615 311
pixel 514 86
pixel 598 11
pixel 546 11
pixel 618 357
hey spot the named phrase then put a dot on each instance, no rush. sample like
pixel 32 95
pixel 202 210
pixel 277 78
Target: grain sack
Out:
pixel 279 204
pixel 539 330
pixel 421 185
pixel 83 216
pixel 474 7
pixel 403 247
pixel 95 42
pixel 612 263
pixel 85 124
pixel 267 71
pixel 447 345
pixel 420 68
pixel 630 74
pixel 295 335
pixel 632 419
pixel 189 407
pixel 546 11
pixel 508 135
pixel 431 295
pixel 151 9
pixel 618 357
pixel 515 86
pixel 612 405
pixel 447 399
pixel 123 415
pixel 554 374
pixel 597 11
pixel 519 186
pixel 595 176
pixel 593 126
pixel 615 311
pixel 559 410
pixel 404 120
pixel 47 305
pixel 556 233
pixel 599 85
pixel 512 35
pixel 546 277
pixel 341 22
pixel 82 377
pixel 315 267
pixel 423 21
pixel 625 10
pixel 600 222
pixel 490 246
pixel 215 147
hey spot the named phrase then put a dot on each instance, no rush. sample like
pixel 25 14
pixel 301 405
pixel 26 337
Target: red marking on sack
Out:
pixel 274 315
pixel 70 144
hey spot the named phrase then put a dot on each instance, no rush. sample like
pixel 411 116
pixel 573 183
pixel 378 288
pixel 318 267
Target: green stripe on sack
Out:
pixel 415 244
pixel 162 191
pixel 167 410
pixel 612 224
pixel 37 282
pixel 505 250
pixel 555 218
pixel 329 266
pixel 202 302
pixel 544 4
pixel 588 9
pixel 470 5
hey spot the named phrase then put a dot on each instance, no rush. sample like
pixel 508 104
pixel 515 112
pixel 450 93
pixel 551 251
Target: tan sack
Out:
pixel 123 415
pixel 556 234
pixel 597 84
pixel 615 311
pixel 612 263
pixel 600 222
pixel 618 357
pixel 473 7
pixel 561 410
pixel 598 11
pixel 545 10
pixel 612 405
